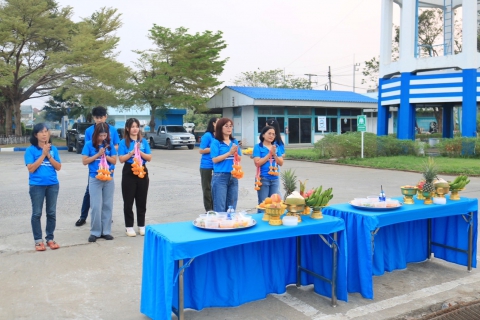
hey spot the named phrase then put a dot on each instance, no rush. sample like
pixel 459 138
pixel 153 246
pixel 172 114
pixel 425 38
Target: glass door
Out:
pixel 299 130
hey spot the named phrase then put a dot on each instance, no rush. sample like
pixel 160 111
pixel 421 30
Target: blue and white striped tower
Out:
pixel 413 81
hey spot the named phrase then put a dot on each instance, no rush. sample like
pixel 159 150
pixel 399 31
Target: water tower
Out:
pixel 419 80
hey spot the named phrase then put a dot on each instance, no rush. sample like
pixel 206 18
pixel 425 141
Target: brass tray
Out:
pixel 254 222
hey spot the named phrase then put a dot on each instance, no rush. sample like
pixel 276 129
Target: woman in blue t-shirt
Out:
pixel 263 152
pixel 134 186
pixel 43 162
pixel 206 164
pixel 101 190
pixel 222 150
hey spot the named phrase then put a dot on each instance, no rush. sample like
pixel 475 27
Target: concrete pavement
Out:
pixel 102 280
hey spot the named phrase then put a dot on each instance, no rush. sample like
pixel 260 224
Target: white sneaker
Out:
pixel 141 231
pixel 130 232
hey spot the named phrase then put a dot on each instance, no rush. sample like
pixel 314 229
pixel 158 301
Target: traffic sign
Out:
pixel 362 123
pixel 322 123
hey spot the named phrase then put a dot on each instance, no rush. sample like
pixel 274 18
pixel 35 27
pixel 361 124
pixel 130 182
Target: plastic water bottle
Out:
pixel 230 212
pixel 381 196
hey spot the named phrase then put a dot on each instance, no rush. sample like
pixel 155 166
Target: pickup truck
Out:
pixel 76 136
pixel 170 136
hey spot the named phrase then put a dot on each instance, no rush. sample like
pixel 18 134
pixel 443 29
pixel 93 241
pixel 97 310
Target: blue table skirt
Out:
pixel 402 238
pixel 232 268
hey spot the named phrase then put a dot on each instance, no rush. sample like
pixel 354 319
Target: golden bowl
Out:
pixel 409 190
pixel 295 208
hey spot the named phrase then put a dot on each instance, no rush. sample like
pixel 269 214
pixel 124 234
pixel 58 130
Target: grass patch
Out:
pixel 446 165
pixel 453 166
pixel 302 154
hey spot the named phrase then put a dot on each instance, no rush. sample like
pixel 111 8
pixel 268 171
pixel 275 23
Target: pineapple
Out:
pixel 289 181
pixel 429 174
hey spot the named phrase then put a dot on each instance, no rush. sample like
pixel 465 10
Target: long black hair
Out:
pixel 210 126
pixel 264 130
pixel 101 128
pixel 274 123
pixel 128 126
pixel 36 129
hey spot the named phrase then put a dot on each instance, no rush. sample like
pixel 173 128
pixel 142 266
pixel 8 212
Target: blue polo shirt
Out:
pixel 259 150
pixel 89 150
pixel 45 175
pixel 217 148
pixel 114 138
pixel 123 150
pixel 206 160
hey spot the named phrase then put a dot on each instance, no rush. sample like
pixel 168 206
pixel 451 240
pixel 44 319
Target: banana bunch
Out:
pixel 459 183
pixel 319 198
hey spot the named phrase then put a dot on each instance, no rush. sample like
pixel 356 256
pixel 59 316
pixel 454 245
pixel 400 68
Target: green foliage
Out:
pixel 181 71
pixel 348 145
pixel 271 79
pixel 44 52
pixel 459 147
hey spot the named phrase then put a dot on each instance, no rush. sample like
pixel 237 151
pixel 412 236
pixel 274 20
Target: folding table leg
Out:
pixel 181 315
pixel 299 261
pixel 470 243
pixel 429 238
pixel 334 270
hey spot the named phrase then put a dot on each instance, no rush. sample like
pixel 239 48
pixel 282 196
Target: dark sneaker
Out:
pixel 92 238
pixel 80 222
pixel 107 237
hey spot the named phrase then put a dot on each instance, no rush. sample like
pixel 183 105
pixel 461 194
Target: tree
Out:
pixel 42 51
pixel 181 71
pixel 271 79
pixel 57 107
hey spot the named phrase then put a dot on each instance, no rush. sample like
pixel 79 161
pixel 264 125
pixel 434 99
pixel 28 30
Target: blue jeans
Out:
pixel 85 204
pixel 268 188
pixel 224 191
pixel 101 203
pixel 37 194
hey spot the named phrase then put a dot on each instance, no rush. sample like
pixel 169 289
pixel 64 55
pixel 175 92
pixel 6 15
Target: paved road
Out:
pixel 102 280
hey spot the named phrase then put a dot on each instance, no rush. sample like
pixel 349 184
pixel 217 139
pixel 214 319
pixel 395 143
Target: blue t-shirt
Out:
pixel 45 175
pixel 114 138
pixel 260 151
pixel 123 150
pixel 218 148
pixel 206 161
pixel 89 150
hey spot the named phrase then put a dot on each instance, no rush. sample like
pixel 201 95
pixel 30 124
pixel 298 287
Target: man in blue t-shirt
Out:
pixel 100 116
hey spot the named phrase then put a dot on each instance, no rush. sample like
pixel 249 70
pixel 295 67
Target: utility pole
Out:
pixel 329 79
pixel 355 65
pixel 310 75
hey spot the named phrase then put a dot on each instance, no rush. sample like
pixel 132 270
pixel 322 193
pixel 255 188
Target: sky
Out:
pixel 298 36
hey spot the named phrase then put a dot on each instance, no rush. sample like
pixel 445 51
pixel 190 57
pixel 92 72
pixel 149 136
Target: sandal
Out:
pixel 39 246
pixel 53 245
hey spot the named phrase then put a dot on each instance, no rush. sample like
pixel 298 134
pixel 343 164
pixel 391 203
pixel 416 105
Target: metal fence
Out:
pixel 6 140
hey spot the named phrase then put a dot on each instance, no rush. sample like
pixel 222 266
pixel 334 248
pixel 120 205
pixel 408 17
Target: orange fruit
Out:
pixel 267 200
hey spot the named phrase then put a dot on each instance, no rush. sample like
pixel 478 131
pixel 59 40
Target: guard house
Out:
pixel 296 111
pixel 419 80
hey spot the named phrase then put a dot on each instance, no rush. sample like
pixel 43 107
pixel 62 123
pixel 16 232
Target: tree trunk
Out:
pixel 2 119
pixel 8 119
pixel 18 118
pixel 152 119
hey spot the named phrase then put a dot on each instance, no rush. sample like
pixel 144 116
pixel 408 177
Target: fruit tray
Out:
pixel 375 209
pixel 225 229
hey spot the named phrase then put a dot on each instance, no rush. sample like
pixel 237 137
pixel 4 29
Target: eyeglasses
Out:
pixel 228 126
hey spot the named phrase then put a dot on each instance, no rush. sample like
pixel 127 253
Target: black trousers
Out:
pixel 134 189
pixel 206 177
